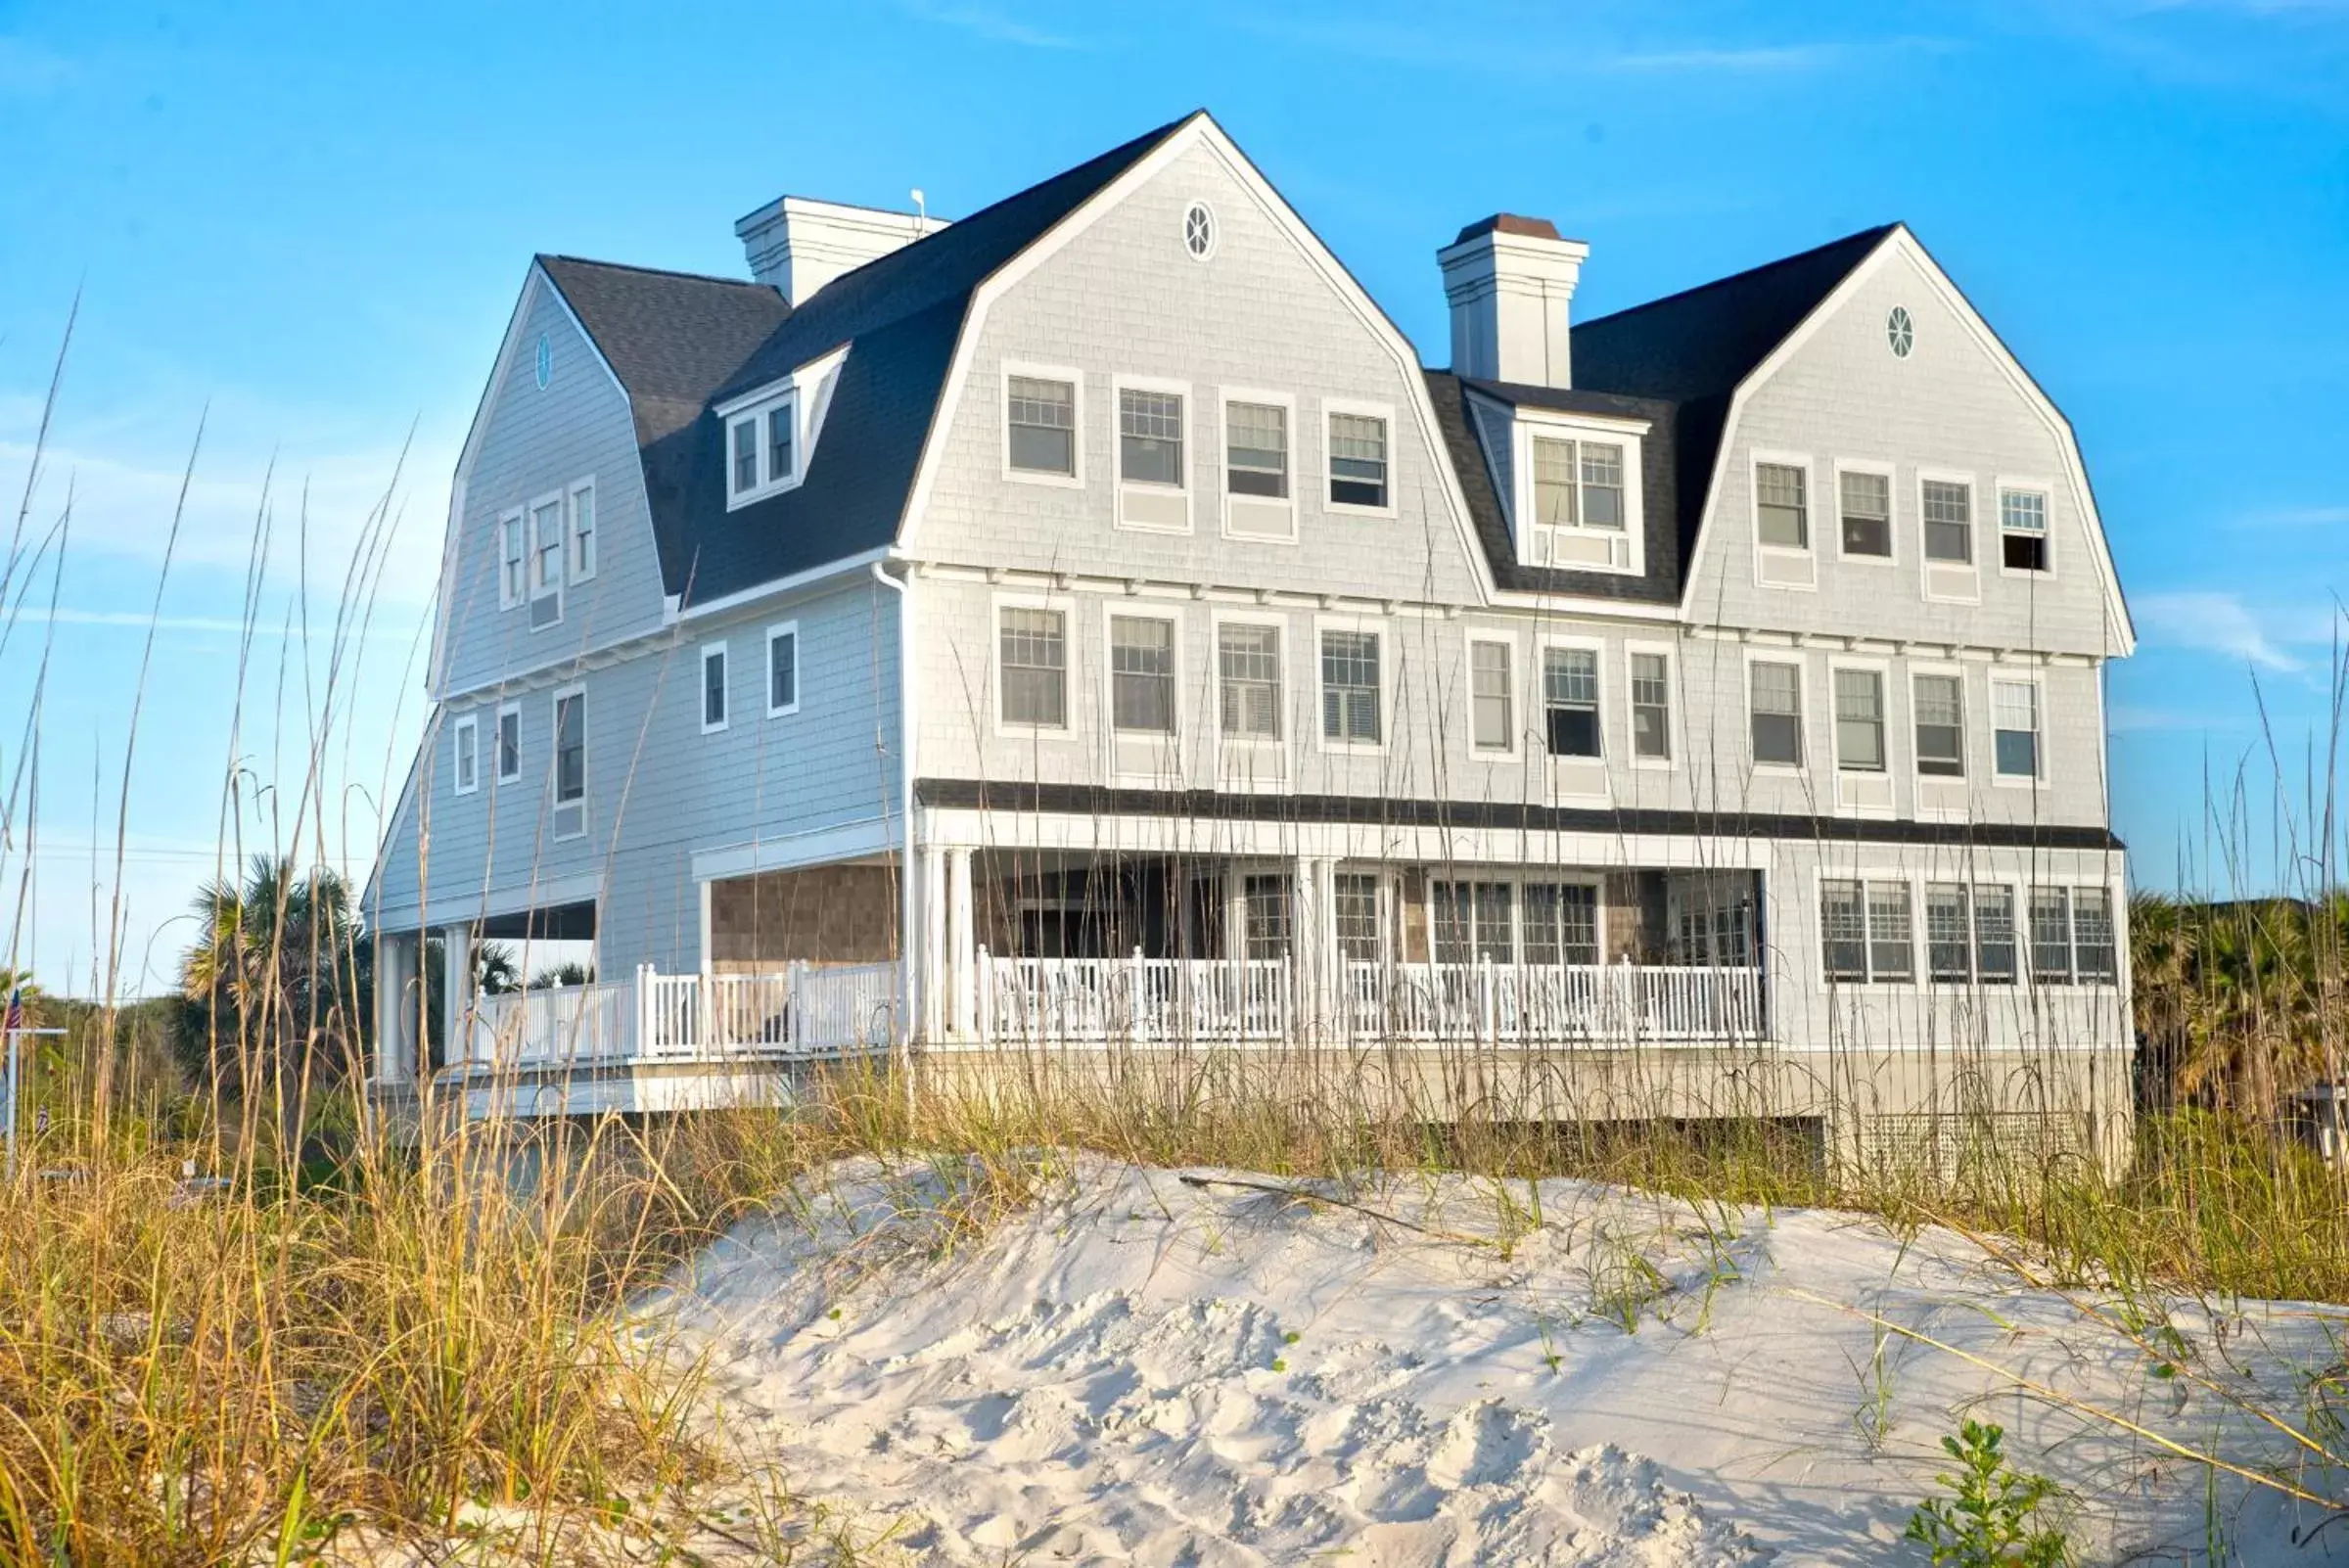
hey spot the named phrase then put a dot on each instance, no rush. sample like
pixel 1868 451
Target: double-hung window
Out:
pixel 1867 508
pixel 1949 933
pixel 1149 436
pixel 713 688
pixel 1350 688
pixel 1651 707
pixel 2095 954
pixel 1782 506
pixel 1949 513
pixel 1248 678
pixel 1866 933
pixel 782 670
pixel 1570 701
pixel 1491 701
pixel 1041 426
pixel 1357 460
pixel 1777 702
pixel 1141 674
pixel 582 531
pixel 1994 934
pixel 2023 531
pixel 466 746
pixel 511 561
pixel 2050 935
pixel 509 743
pixel 1859 721
pixel 1939 702
pixel 571 765
pixel 1256 449
pixel 1578 483
pixel 762 449
pixel 546 562
pixel 1356 914
pixel 2014 720
pixel 1034 667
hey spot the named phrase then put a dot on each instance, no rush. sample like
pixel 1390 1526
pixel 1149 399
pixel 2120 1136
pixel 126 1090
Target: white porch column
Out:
pixel 1305 949
pixel 965 944
pixel 932 957
pixel 396 970
pixel 456 993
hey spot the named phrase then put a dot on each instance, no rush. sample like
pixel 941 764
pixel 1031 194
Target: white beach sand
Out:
pixel 1146 1370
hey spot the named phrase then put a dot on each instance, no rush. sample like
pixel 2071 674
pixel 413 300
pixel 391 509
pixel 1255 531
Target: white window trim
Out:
pixel 1754 461
pixel 1119 385
pixel 504 712
pixel 570 530
pixel 1925 564
pixel 1076 383
pixel 529 552
pixel 1254 745
pixel 715 651
pixel 554 759
pixel 1469 642
pixel 1139 609
pixel 1539 679
pixel 1286 401
pixel 1891 720
pixel 1968 726
pixel 1999 484
pixel 1917 980
pixel 1388 685
pixel 1068 730
pixel 1630 435
pixel 1990 726
pixel 769 482
pixel 465 737
pixel 1674 732
pixel 1802 691
pixel 1892 507
pixel 799 668
pixel 520 518
pixel 1368 410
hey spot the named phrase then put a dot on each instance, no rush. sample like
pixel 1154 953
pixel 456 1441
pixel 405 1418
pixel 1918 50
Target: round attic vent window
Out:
pixel 1899 331
pixel 546 362
pixel 1199 230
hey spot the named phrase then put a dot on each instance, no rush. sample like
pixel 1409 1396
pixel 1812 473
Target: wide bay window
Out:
pixel 1350 688
pixel 1141 674
pixel 1865 932
pixel 1569 713
pixel 1032 668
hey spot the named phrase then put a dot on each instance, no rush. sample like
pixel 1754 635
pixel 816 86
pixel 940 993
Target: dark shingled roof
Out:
pixel 1677 361
pixel 682 343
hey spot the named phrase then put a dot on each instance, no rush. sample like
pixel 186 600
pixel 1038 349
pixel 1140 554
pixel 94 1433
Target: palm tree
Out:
pixel 277 987
pixel 495 970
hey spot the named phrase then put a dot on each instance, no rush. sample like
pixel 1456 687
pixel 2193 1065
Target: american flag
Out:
pixel 14 1018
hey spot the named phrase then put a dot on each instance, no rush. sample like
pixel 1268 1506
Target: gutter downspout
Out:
pixel 908 993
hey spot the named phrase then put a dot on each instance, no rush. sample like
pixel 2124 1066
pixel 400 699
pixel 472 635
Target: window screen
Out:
pixel 1141 673
pixel 1042 417
pixel 1940 726
pixel 1777 713
pixel 1035 667
pixel 1569 701
pixel 1783 508
pixel 1349 686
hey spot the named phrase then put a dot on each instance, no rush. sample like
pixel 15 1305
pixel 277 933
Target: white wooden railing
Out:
pixel 1146 1001
pixel 807 1010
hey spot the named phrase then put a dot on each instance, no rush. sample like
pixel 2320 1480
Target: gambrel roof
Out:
pixel 681 345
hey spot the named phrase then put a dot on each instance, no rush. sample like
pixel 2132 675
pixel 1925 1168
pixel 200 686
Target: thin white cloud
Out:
pixel 2221 622
pixel 2300 517
pixel 2129 718
pixel 268 625
pixel 990 22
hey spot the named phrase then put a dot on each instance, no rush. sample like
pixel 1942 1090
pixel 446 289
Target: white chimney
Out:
pixel 800 245
pixel 1510 281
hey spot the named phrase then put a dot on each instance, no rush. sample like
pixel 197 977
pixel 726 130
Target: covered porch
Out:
pixel 1048 948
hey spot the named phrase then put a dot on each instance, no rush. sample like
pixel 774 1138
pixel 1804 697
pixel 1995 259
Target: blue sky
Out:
pixel 304 225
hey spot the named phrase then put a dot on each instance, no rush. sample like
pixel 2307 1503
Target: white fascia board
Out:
pixel 798 378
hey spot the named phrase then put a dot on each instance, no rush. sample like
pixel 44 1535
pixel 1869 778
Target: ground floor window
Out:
pixel 1356 912
pixel 1266 906
pixel 1864 933
pixel 1479 921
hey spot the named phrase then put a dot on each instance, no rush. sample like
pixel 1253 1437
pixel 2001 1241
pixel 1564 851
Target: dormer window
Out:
pixel 1578 500
pixel 762 449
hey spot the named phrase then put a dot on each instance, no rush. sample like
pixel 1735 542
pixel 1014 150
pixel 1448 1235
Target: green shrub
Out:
pixel 1993 1520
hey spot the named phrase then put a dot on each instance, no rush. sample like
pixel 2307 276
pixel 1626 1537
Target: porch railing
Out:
pixel 1150 1001
pixel 807 1010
